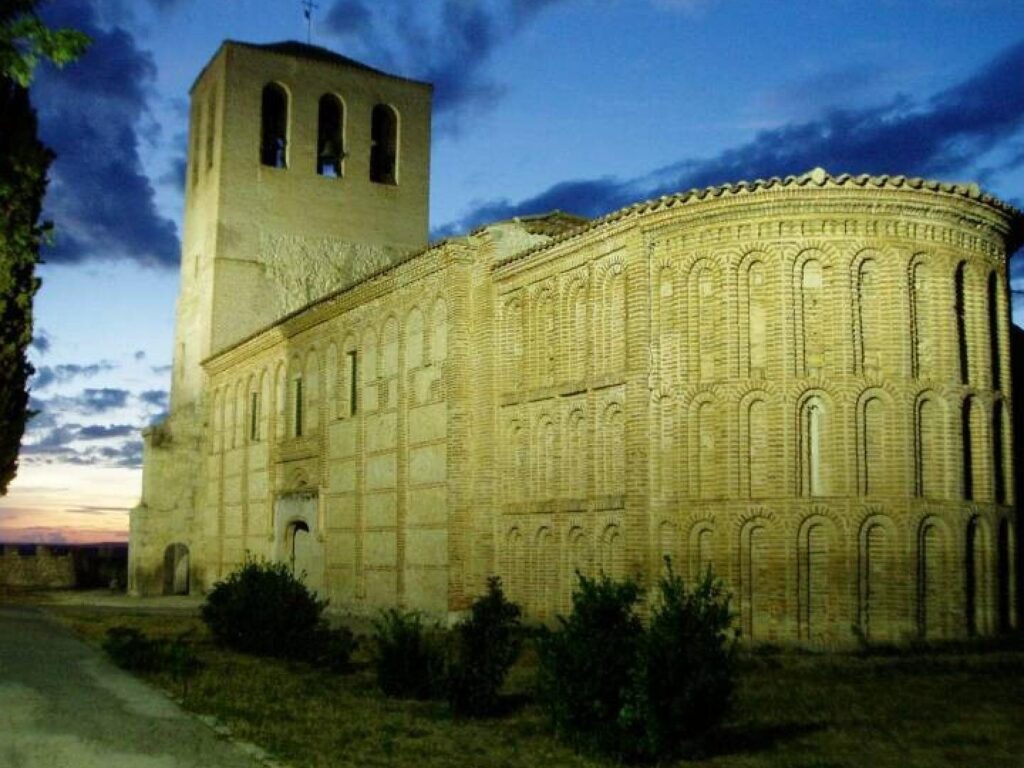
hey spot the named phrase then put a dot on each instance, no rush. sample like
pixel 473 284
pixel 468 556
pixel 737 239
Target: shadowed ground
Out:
pixel 63 705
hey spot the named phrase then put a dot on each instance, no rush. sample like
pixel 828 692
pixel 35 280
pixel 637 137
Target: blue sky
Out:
pixel 584 105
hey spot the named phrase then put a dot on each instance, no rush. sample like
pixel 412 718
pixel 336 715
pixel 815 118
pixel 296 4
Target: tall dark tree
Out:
pixel 24 160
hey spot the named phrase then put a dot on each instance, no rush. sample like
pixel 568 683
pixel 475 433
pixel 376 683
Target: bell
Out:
pixel 329 151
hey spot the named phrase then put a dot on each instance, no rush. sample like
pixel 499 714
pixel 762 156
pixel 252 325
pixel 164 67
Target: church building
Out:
pixel 801 383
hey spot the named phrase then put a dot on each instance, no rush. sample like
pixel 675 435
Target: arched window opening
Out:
pixel 993 332
pixel 384 145
pixel 330 148
pixel 812 434
pixel 274 127
pixel 966 450
pixel 998 464
pixel 961 324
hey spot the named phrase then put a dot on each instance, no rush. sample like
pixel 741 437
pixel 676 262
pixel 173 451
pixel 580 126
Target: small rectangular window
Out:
pixel 298 407
pixel 353 385
pixel 254 417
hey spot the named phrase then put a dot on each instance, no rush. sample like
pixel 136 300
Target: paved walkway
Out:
pixel 63 705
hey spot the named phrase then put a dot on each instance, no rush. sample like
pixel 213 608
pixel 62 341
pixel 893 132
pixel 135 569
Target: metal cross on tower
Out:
pixel 308 6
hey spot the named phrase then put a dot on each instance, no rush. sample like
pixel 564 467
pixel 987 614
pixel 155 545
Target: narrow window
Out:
pixel 353 382
pixel 274 127
pixel 211 124
pixel 254 417
pixel 961 324
pixel 383 145
pixel 967 457
pixel 993 332
pixel 811 439
pixel 298 407
pixel 329 147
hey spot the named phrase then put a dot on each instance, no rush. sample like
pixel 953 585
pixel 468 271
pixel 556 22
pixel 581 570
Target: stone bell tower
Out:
pixel 306 172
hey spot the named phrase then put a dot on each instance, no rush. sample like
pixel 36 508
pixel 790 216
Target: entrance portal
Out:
pixel 297 540
pixel 176 570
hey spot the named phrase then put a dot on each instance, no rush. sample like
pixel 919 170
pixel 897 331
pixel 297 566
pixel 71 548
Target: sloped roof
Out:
pixel 817 177
pixel 296 49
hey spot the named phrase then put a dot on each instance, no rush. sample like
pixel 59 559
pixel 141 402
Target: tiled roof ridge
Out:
pixel 818 177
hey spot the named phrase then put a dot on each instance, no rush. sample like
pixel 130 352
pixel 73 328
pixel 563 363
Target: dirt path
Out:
pixel 63 705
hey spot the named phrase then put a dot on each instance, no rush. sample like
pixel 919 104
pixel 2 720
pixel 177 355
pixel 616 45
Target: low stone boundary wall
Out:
pixel 43 566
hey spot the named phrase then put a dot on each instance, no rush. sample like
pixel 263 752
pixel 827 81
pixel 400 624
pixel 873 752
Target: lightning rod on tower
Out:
pixel 308 6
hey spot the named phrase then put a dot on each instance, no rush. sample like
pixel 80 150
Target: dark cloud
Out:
pixel 41 341
pixel 161 369
pixel 941 137
pixel 129 454
pixel 349 17
pixel 175 175
pixel 105 399
pixel 103 432
pixel 449 49
pixel 47 375
pixel 90 114
pixel 53 440
pixel 140 354
pixel 88 401
pixel 155 397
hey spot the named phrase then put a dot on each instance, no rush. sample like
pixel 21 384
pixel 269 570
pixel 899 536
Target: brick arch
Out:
pixel 821 576
pixel 875 414
pixel 934 558
pixel 878 577
pixel 611 549
pixel 979 576
pixel 414 338
pixel 667 545
pixel 754 580
pixel 700 541
pixel 754 428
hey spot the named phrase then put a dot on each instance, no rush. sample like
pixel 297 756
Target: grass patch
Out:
pixel 937 706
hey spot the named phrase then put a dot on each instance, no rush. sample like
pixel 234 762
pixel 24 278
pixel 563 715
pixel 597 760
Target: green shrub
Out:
pixel 586 666
pixel 131 649
pixel 639 693
pixel 486 646
pixel 263 609
pixel 408 659
pixel 684 680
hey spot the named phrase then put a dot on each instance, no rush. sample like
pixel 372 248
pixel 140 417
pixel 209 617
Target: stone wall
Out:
pixel 39 566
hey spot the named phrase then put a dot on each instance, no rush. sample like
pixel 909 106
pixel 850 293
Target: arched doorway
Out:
pixel 299 542
pixel 298 547
pixel 176 564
